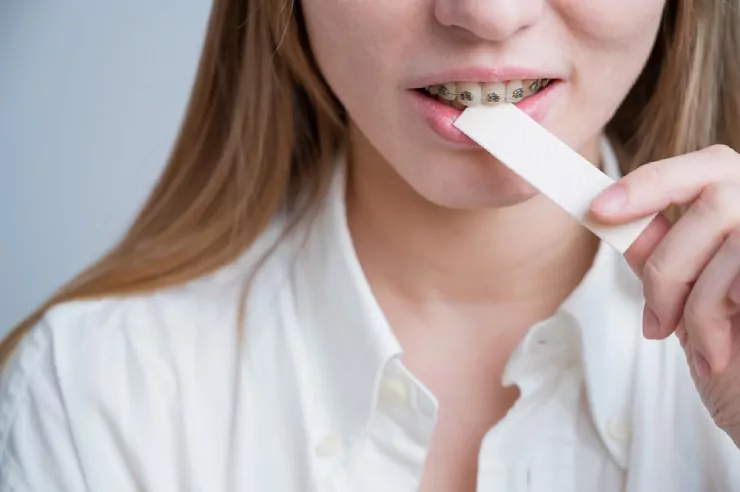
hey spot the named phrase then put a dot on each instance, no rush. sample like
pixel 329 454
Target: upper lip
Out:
pixel 482 74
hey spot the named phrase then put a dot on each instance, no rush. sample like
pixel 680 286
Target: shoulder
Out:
pixel 99 379
pixel 169 323
pixel 172 318
pixel 33 421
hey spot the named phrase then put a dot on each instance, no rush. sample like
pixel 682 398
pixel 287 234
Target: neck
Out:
pixel 531 255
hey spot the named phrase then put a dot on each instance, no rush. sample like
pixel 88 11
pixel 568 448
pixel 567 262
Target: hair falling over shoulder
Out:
pixel 262 128
pixel 258 135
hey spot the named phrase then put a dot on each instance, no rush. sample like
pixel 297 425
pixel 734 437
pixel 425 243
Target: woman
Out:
pixel 330 289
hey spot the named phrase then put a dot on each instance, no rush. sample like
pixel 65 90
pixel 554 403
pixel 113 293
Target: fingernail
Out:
pixel 650 323
pixel 701 366
pixel 612 200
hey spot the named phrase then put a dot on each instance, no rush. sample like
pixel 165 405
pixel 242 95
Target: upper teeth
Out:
pixel 473 93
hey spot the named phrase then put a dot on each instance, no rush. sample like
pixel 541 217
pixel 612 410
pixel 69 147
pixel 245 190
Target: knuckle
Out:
pixel 656 282
pixel 733 241
pixel 701 313
pixel 655 275
pixel 652 174
pixel 696 314
pixel 665 291
pixel 722 152
pixel 717 197
pixel 723 409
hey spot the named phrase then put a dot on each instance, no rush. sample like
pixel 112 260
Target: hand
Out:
pixel 690 270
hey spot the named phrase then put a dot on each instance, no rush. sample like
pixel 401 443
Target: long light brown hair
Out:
pixel 262 128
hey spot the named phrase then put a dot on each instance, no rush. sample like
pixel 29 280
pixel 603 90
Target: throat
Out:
pixel 473 266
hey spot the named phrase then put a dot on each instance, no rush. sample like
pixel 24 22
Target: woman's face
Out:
pixel 377 54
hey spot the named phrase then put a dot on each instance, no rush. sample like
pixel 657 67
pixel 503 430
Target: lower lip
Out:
pixel 440 117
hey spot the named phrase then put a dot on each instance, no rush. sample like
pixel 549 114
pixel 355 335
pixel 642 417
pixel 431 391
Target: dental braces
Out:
pixel 518 93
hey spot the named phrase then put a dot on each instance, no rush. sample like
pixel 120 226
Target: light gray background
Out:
pixel 91 95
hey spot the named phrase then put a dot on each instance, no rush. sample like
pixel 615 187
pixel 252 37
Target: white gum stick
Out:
pixel 548 164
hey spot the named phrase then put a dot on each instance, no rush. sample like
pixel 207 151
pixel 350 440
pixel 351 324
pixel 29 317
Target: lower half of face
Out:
pixel 405 70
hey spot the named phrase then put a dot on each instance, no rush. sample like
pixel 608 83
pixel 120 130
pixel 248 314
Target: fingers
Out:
pixel 638 254
pixel 711 307
pixel 691 271
pixel 681 334
pixel 653 187
pixel 684 252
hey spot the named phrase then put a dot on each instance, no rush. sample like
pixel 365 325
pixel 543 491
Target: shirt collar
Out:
pixel 349 339
pixel 347 335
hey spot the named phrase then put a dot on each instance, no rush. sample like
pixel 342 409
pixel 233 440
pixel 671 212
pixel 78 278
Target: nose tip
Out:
pixel 491 20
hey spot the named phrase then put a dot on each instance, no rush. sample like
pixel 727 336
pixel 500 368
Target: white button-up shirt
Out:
pixel 160 392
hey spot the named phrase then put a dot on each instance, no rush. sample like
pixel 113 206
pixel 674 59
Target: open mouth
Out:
pixel 460 95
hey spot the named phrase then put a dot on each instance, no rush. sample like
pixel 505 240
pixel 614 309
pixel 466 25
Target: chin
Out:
pixel 461 201
pixel 495 190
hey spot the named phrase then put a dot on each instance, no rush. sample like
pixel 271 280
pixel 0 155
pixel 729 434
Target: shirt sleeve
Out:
pixel 37 447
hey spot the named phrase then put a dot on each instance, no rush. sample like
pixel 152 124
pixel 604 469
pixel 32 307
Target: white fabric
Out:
pixel 157 393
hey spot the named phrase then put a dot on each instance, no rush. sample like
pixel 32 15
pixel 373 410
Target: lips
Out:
pixel 483 75
pixel 440 116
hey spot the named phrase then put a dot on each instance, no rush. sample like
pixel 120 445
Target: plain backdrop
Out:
pixel 91 96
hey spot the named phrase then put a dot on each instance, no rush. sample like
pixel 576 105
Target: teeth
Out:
pixel 469 93
pixel 494 93
pixel 456 104
pixel 532 86
pixel 448 91
pixel 462 94
pixel 514 91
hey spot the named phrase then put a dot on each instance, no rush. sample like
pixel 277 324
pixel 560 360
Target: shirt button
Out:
pixel 330 446
pixel 393 392
pixel 618 430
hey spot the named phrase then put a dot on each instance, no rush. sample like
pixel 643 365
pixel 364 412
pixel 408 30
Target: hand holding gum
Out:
pixel 548 164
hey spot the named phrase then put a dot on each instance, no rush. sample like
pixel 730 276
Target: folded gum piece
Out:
pixel 548 164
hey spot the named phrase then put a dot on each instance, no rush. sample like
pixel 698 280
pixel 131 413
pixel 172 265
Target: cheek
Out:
pixel 611 42
pixel 612 24
pixel 355 43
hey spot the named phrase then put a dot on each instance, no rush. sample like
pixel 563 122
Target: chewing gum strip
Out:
pixel 548 164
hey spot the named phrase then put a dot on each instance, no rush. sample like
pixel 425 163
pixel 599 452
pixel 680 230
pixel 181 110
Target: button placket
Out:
pixel 393 393
pixel 619 430
pixel 330 446
pixel 399 431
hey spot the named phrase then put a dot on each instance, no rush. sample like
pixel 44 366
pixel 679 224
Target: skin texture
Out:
pixel 462 255
pixel 372 51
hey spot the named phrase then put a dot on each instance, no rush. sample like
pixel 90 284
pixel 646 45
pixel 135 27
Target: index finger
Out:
pixel 653 187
